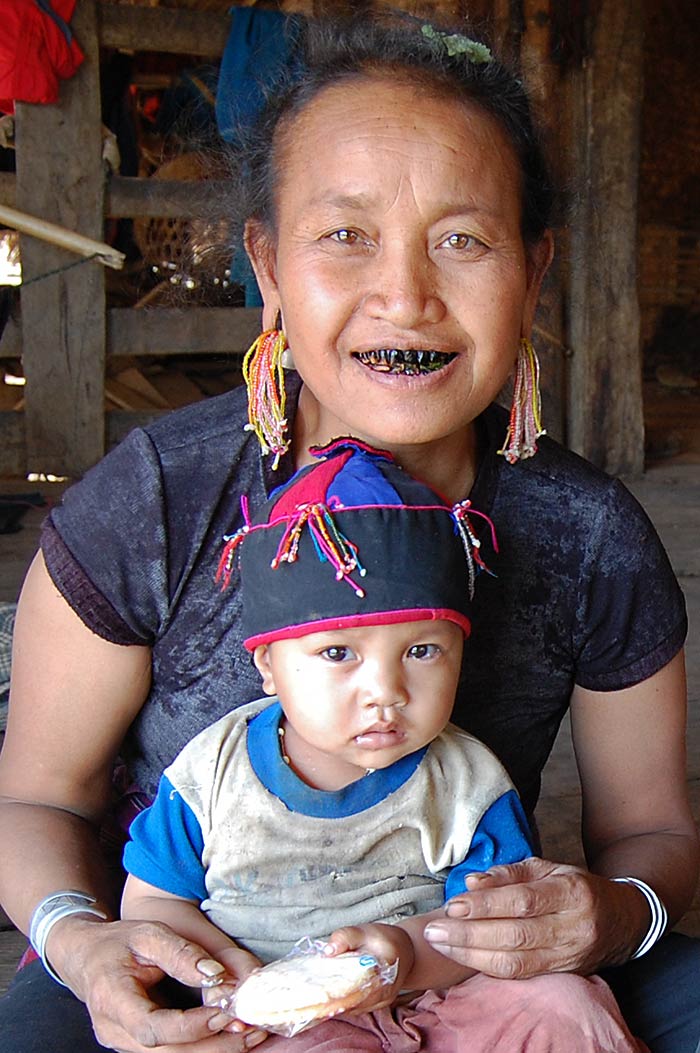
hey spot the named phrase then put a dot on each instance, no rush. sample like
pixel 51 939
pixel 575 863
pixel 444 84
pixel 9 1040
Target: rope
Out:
pixel 58 270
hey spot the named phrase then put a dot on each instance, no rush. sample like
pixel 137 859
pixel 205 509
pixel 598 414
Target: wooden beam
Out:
pixel 13 446
pixel 605 414
pixel 13 453
pixel 165 331
pixel 175 31
pixel 131 198
pixel 536 46
pixel 11 340
pixel 189 330
pixel 54 234
pixel 7 189
pixel 60 177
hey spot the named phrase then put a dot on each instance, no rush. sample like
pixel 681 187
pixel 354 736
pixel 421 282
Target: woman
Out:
pixel 397 215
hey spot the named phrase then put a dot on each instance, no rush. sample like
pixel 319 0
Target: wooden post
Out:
pixel 543 80
pixel 60 178
pixel 605 413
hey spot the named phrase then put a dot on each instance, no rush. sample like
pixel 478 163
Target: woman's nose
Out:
pixel 402 288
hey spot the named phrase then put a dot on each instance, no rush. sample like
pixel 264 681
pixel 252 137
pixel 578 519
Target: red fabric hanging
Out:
pixel 36 50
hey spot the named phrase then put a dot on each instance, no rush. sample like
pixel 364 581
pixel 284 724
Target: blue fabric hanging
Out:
pixel 259 48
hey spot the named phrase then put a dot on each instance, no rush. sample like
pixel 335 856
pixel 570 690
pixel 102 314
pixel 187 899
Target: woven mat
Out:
pixel 7 621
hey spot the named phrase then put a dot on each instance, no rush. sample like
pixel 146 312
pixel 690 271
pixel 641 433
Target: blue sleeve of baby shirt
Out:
pixel 166 845
pixel 502 836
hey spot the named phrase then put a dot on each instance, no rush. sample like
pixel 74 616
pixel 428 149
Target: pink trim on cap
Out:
pixel 353 621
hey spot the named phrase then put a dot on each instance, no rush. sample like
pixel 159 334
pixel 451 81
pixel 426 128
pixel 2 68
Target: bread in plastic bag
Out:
pixel 306 986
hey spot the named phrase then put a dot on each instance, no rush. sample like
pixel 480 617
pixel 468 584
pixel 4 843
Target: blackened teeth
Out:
pixel 407 361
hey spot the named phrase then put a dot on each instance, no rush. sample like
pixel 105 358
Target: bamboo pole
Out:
pixel 61 236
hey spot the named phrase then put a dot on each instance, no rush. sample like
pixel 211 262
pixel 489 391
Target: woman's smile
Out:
pixel 407 362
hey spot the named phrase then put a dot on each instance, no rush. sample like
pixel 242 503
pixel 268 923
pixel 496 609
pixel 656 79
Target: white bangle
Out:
pixel 659 915
pixel 53 908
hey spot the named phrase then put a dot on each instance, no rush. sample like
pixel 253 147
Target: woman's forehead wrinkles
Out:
pixel 365 201
pixel 466 151
pixel 395 134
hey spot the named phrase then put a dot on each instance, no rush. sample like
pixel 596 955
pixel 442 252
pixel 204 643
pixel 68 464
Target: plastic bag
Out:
pixel 269 998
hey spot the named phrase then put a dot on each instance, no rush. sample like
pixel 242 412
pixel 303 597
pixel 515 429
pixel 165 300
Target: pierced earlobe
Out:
pixel 287 359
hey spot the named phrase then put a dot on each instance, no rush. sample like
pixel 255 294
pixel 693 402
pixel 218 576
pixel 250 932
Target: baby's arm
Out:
pixel 419 966
pixel 141 901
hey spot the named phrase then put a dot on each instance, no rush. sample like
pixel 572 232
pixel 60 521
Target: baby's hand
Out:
pixel 238 963
pixel 386 943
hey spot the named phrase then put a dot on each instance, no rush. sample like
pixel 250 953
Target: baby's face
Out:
pixel 361 698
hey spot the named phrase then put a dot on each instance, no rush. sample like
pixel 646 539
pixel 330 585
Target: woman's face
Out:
pixel 398 263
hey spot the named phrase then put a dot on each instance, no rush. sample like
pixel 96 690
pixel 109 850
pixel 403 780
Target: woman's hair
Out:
pixel 329 52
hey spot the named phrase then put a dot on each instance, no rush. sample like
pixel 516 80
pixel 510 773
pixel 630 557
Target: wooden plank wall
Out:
pixel 63 317
pixel 66 331
pixel 584 66
pixel 605 418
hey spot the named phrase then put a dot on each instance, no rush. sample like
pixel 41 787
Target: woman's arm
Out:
pixel 537 916
pixel 73 697
pixel 631 756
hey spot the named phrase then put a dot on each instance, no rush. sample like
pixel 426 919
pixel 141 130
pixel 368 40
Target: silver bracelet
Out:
pixel 659 915
pixel 53 908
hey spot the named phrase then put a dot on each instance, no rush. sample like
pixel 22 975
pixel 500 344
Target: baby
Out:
pixel 349 808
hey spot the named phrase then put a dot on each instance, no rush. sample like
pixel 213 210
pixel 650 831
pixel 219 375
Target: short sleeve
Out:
pixel 502 836
pixel 630 619
pixel 166 845
pixel 111 527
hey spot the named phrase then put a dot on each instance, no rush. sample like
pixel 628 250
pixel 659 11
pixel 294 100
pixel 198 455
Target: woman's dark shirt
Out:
pixel 583 592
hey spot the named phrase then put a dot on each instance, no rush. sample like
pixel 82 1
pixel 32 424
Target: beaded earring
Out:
pixel 264 380
pixel 525 424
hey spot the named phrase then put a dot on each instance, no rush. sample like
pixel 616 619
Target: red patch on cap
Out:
pixel 312 487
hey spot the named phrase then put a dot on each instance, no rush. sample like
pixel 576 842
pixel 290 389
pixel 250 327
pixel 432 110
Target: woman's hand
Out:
pixel 114 968
pixel 538 917
pixel 386 943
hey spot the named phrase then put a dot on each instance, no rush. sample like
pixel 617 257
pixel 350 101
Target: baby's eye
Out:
pixel 423 650
pixel 337 654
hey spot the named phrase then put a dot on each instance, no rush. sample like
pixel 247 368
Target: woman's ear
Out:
pixel 539 257
pixel 259 244
pixel 261 657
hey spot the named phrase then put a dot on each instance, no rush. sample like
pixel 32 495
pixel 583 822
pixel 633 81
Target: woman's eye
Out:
pixel 423 650
pixel 337 654
pixel 345 236
pixel 462 242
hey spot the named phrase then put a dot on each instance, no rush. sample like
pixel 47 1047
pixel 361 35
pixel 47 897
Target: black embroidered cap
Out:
pixel 352 540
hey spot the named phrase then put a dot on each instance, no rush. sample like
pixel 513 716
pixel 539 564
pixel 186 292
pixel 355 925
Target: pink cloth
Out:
pixel 558 1013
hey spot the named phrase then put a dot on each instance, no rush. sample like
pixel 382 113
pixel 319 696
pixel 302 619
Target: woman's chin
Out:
pixel 404 408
